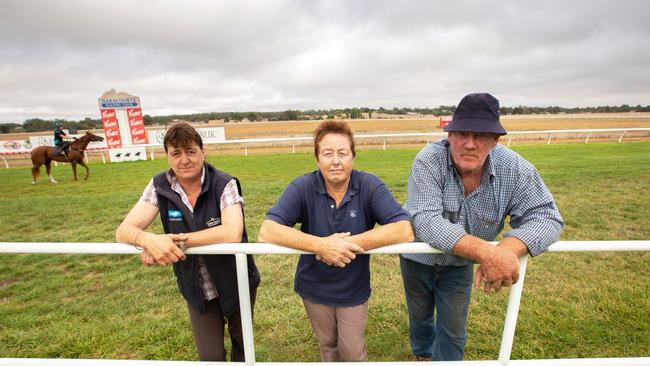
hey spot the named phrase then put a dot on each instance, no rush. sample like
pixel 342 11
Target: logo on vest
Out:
pixel 175 215
pixel 214 221
pixel 353 213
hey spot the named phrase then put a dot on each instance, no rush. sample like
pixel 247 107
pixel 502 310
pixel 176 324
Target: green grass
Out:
pixel 109 306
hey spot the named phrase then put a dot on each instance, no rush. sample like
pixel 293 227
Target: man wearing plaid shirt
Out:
pixel 460 191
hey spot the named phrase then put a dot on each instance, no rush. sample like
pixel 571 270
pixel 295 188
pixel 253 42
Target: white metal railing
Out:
pixel 240 251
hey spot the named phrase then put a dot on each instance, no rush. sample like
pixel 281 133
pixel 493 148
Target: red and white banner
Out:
pixel 136 125
pixel 111 128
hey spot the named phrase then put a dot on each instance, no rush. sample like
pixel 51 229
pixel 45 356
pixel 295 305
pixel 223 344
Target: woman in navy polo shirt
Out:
pixel 337 208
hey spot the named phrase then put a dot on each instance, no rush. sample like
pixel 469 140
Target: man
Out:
pixel 460 191
pixel 59 135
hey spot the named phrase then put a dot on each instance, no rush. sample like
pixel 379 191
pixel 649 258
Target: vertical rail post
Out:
pixel 5 160
pixel 384 145
pixel 621 138
pixel 245 150
pixel 151 152
pixel 245 308
pixel 588 136
pixel 514 300
pixel 509 140
pixel 549 138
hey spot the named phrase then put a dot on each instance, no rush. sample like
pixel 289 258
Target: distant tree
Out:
pixel 252 116
pixel 355 113
pixel 37 124
pixel 148 120
pixel 289 115
pixel 8 127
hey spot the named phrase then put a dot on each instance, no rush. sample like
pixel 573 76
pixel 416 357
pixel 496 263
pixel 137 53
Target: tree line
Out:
pixel 38 124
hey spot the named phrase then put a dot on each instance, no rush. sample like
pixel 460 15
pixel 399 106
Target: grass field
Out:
pixel 109 306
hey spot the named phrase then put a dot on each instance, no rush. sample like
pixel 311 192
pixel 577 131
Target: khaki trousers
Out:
pixel 340 331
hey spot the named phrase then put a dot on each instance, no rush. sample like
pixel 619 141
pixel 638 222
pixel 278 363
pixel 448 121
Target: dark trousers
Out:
pixel 208 330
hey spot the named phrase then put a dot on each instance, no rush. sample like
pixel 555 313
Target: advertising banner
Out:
pixel 124 125
pixel 9 147
pixel 136 124
pixel 111 128
pixel 209 135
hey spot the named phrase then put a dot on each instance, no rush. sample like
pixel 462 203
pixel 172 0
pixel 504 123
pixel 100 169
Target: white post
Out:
pixel 5 160
pixel 549 138
pixel 588 136
pixel 245 150
pixel 384 144
pixel 509 140
pixel 293 148
pixel 621 138
pixel 151 149
pixel 510 323
pixel 245 308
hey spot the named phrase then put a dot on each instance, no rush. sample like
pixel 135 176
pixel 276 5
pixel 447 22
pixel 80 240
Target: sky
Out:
pixel 57 57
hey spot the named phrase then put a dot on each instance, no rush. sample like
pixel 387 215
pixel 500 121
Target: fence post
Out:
pixel 588 136
pixel 245 308
pixel 5 160
pixel 514 300
pixel 549 138
pixel 621 138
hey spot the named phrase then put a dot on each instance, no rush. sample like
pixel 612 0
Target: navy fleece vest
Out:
pixel 177 218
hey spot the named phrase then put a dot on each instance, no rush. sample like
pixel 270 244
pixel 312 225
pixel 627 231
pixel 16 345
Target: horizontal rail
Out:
pixel 240 250
pixel 265 248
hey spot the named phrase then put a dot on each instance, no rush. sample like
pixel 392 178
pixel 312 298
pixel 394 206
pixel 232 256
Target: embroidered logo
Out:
pixel 214 221
pixel 353 213
pixel 175 215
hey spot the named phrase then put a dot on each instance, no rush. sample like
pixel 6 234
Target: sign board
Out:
pixel 9 147
pixel 209 135
pixel 444 121
pixel 48 140
pixel 123 124
pixel 131 153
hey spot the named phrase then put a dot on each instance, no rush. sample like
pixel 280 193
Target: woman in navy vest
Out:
pixel 198 205
pixel 337 208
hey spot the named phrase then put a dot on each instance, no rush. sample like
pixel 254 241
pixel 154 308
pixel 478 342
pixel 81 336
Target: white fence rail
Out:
pixel 588 133
pixel 240 251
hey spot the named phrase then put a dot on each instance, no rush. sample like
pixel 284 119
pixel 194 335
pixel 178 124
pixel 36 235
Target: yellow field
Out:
pixel 253 130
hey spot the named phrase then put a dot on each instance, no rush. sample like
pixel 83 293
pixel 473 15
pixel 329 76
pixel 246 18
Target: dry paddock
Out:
pixel 247 130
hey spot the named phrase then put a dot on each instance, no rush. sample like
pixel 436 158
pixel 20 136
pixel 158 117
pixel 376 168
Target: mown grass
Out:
pixel 109 306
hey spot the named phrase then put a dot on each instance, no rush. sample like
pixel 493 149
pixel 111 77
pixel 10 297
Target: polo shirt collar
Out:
pixel 353 185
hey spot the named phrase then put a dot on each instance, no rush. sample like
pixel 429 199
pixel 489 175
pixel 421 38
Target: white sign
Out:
pixel 127 154
pixel 209 135
pixel 15 146
pixel 37 141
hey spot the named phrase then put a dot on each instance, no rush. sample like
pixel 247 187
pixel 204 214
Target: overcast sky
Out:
pixel 58 57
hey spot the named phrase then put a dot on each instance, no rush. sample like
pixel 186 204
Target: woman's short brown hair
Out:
pixel 182 135
pixel 331 126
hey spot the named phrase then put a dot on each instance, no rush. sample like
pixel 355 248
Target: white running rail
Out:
pixel 240 251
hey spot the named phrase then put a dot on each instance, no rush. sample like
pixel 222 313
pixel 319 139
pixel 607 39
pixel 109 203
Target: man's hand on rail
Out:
pixel 498 268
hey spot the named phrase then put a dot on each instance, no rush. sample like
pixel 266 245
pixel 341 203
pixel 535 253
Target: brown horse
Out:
pixel 75 155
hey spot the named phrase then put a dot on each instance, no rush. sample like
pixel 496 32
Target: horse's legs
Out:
pixel 83 164
pixel 48 168
pixel 74 168
pixel 36 169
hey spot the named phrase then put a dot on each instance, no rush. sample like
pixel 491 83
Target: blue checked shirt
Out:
pixel 510 186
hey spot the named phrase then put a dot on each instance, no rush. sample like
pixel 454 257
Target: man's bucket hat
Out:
pixel 477 112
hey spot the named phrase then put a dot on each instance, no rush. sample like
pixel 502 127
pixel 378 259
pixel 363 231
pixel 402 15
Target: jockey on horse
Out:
pixel 59 135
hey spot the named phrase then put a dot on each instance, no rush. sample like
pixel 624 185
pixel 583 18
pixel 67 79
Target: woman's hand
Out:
pixel 162 248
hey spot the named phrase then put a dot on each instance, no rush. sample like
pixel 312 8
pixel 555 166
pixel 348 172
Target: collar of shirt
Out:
pixel 488 166
pixel 353 186
pixel 176 186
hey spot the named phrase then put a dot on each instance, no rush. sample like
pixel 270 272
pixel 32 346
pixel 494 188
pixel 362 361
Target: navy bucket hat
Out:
pixel 477 112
